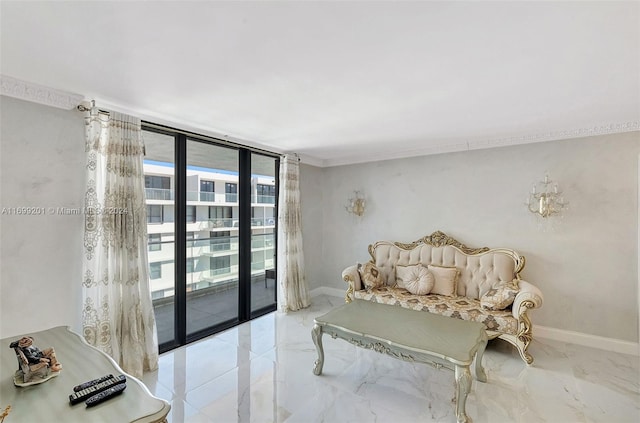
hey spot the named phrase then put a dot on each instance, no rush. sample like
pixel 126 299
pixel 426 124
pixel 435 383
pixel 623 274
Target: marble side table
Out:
pixel 49 401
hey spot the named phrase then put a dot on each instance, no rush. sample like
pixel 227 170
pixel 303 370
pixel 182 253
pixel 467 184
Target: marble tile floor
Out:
pixel 261 371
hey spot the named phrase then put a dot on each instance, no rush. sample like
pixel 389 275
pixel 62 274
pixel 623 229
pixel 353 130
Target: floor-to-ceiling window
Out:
pixel 211 219
pixel 263 222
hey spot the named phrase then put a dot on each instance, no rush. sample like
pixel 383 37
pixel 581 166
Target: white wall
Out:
pixel 587 269
pixel 41 165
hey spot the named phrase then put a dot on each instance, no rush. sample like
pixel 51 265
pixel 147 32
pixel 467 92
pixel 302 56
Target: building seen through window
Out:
pixel 211 234
pixel 212 228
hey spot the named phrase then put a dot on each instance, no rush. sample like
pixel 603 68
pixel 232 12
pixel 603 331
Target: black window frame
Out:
pixel 265 190
pixel 231 192
pixel 151 216
pixel 155 266
pixel 227 212
pixel 214 261
pixel 220 240
pixel 191 264
pixel 157 181
pixel 243 230
pixel 206 183
pixel 155 244
pixel 193 215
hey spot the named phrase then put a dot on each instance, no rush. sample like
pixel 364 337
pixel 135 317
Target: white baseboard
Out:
pixel 325 290
pixel 587 340
pixel 578 338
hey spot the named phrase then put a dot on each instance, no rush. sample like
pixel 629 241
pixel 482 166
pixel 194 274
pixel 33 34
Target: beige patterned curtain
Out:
pixel 117 315
pixel 293 292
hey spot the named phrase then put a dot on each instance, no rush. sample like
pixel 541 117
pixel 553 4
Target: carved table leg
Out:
pixel 316 335
pixel 479 370
pixel 463 387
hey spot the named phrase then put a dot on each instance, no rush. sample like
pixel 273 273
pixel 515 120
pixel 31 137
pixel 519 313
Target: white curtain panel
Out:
pixel 293 292
pixel 117 315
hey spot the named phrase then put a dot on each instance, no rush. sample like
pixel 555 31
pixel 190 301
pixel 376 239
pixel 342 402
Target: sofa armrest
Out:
pixel 529 297
pixel 351 276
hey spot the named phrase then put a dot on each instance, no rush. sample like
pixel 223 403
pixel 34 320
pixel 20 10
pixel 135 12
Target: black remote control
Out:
pixel 91 383
pixel 105 395
pixel 80 396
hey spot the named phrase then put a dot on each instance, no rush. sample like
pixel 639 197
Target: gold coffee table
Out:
pixel 411 336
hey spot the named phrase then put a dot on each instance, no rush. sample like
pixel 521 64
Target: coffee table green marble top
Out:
pixel 409 335
pixel 441 336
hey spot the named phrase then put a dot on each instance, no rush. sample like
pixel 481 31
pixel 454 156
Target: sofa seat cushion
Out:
pixel 460 307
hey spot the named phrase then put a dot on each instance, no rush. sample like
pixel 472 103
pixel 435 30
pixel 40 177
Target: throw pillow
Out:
pixel 370 275
pixel 500 296
pixel 446 280
pixel 415 279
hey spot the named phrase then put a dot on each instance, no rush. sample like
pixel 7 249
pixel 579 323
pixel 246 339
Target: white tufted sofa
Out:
pixel 479 270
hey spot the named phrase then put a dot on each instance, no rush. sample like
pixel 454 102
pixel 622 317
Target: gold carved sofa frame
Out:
pixel 528 298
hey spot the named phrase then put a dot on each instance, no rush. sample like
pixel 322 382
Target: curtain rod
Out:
pixel 296 155
pixel 84 108
pixel 81 107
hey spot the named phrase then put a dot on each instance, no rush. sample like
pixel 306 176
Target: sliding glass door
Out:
pixel 212 227
pixel 263 232
pixel 212 222
pixel 159 179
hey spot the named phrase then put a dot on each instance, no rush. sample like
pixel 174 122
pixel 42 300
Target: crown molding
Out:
pixel 311 160
pixel 16 88
pixel 607 129
pixel 28 91
pixel 397 154
pixel 611 128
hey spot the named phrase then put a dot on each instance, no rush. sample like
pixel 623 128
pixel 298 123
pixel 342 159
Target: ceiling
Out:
pixel 342 82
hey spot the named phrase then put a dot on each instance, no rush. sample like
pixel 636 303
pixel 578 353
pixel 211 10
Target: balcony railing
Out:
pixel 260 266
pixel 207 196
pixel 262 241
pixel 214 223
pixel 167 194
pixel 225 245
pixel 212 197
pixel 234 223
pixel 199 251
pixel 264 199
pixel 220 246
pixel 267 221
pixel 217 272
pixel 158 194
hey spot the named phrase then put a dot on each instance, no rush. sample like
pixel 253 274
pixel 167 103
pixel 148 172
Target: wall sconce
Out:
pixel 545 199
pixel 356 204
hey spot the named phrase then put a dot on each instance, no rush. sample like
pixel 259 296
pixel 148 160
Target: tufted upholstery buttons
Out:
pixel 478 272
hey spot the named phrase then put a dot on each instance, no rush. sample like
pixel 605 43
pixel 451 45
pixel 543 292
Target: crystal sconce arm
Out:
pixel 545 199
pixel 356 204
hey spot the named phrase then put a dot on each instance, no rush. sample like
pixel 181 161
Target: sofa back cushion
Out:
pixel 478 273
